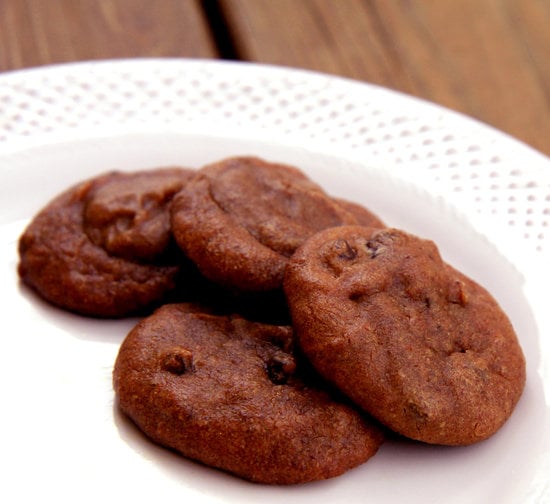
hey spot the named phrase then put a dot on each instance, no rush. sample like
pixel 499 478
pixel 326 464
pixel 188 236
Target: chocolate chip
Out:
pixel 374 248
pixel 344 250
pixel 457 294
pixel 178 361
pixel 280 367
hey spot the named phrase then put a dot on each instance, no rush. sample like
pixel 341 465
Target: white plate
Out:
pixel 480 195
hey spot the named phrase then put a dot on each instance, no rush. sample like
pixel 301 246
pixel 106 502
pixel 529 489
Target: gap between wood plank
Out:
pixel 224 39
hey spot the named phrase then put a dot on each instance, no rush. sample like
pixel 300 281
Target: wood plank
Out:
pixel 331 36
pixel 487 59
pixel 38 32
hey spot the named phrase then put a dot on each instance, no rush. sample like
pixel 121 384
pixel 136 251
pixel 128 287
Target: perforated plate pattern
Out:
pixel 495 180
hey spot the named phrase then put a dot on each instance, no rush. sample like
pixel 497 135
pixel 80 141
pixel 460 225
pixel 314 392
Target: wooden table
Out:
pixel 489 59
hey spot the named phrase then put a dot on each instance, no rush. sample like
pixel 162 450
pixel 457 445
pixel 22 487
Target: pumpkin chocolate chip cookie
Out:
pixel 414 342
pixel 232 394
pixel 241 219
pixel 104 247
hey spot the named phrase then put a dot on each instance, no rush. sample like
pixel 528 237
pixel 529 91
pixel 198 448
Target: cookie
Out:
pixel 104 247
pixel 241 219
pixel 230 393
pixel 414 342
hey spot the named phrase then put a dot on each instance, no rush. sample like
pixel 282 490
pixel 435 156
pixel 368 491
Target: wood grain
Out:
pixel 39 32
pixel 486 58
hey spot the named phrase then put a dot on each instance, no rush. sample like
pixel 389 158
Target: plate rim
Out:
pixel 31 141
pixel 91 65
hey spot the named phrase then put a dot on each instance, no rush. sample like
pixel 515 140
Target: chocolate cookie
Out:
pixel 241 219
pixel 103 247
pixel 417 344
pixel 230 393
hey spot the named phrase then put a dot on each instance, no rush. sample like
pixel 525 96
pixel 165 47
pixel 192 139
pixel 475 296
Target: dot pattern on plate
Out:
pixel 484 173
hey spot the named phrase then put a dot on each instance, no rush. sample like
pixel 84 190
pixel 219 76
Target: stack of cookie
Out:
pixel 285 332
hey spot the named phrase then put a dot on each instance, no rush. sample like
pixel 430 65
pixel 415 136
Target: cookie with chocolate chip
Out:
pixel 241 219
pixel 232 394
pixel 104 247
pixel 414 342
